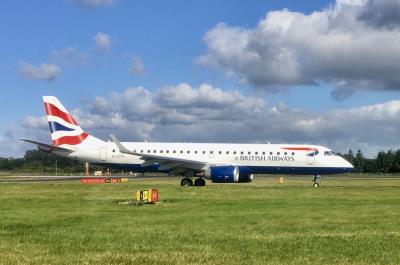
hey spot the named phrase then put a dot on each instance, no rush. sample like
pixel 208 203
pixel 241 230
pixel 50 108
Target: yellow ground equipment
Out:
pixel 147 196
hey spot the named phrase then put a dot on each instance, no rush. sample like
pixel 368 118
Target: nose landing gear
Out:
pixel 316 180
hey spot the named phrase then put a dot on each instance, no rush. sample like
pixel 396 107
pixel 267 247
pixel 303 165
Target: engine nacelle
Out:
pixel 229 174
pixel 245 175
pixel 224 174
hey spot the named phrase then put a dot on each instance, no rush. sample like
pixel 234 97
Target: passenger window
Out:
pixel 270 153
pixel 167 151
pixel 227 152
pixel 161 151
pixel 181 152
pixel 141 151
pixel 188 152
pixel 285 153
pixel 234 152
pixel 292 153
pixel 278 153
pixel 241 153
pixel 154 151
pixel 263 153
pixel 256 153
pixel 113 150
pixel 174 151
pixel 219 152
pixel 211 152
pixel 249 153
pixel 195 152
pixel 204 152
pixel 148 151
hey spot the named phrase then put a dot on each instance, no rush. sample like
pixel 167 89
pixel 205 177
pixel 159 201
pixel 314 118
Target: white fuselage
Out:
pixel 259 158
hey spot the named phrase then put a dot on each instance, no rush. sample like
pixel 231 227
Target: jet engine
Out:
pixel 229 174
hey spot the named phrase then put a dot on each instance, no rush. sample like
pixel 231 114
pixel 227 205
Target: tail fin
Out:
pixel 63 127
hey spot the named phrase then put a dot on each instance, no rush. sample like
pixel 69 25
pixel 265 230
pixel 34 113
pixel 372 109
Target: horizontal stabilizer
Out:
pixel 47 147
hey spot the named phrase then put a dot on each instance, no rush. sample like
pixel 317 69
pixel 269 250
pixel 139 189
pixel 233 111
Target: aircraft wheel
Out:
pixel 315 185
pixel 186 182
pixel 200 182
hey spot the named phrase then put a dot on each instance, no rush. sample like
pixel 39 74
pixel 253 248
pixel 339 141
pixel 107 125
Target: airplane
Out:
pixel 218 162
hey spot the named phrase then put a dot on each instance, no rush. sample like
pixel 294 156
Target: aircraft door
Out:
pixel 310 159
pixel 103 153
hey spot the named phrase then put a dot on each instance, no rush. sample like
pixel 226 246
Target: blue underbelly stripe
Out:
pixel 250 169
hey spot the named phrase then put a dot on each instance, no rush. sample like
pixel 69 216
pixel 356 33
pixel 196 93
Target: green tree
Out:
pixel 384 161
pixel 370 166
pixel 359 162
pixel 349 156
pixel 396 162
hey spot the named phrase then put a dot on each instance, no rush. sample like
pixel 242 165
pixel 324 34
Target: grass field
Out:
pixel 342 222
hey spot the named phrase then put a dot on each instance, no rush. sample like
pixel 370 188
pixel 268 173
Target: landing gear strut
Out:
pixel 316 180
pixel 186 182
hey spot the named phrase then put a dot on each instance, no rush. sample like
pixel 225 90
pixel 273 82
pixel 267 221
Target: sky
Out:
pixel 320 72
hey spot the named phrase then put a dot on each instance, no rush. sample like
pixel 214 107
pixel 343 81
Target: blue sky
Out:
pixel 167 37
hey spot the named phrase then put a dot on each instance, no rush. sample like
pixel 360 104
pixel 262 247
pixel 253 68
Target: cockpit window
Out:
pixel 328 153
pixel 313 153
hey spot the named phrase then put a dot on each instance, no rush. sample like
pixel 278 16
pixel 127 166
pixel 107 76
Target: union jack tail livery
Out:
pixel 64 129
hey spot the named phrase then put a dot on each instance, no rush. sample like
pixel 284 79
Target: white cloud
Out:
pixel 206 113
pixel 137 67
pixel 209 114
pixel 69 56
pixel 382 13
pixel 102 41
pixel 44 71
pixel 30 128
pixel 352 45
pixel 93 3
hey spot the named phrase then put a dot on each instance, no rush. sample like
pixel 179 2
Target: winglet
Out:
pixel 121 148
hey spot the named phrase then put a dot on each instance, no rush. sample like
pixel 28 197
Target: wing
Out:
pixel 175 166
pixel 47 147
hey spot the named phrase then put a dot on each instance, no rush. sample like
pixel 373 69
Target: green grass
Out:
pixel 342 222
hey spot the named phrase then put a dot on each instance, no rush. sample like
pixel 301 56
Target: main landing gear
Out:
pixel 316 180
pixel 186 182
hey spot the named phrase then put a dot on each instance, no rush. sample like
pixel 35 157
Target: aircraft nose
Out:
pixel 347 166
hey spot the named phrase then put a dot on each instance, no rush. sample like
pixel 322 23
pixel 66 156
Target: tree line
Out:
pixel 35 161
pixel 384 162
